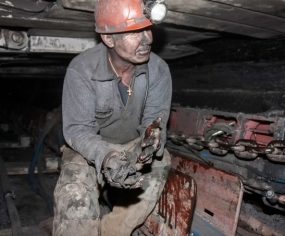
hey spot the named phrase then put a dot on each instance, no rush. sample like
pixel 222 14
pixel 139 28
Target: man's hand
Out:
pixel 151 142
pixel 120 170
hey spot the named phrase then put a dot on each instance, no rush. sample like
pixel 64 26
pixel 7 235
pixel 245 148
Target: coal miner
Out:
pixel 115 107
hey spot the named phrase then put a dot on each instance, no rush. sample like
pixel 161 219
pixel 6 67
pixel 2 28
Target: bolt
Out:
pixel 17 37
pixel 270 194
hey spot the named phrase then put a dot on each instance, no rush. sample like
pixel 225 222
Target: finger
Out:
pixel 156 133
pixel 139 166
pixel 148 151
pixel 138 184
pixel 116 185
pixel 133 180
pixel 148 142
pixel 144 159
pixel 156 144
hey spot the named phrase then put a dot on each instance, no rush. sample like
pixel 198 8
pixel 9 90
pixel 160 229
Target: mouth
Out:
pixel 144 51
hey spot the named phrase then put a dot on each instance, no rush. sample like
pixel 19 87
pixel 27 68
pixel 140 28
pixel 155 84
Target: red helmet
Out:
pixel 115 16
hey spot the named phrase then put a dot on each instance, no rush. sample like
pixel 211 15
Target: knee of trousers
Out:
pixel 74 201
pixel 76 193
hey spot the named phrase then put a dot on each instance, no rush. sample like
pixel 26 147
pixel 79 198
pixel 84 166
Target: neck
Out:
pixel 121 68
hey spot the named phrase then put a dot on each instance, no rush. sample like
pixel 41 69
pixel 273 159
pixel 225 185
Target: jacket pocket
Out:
pixel 103 115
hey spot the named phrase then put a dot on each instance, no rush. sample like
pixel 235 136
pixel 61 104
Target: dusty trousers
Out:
pixel 77 210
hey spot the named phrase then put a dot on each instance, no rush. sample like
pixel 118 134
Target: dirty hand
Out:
pixel 120 171
pixel 151 141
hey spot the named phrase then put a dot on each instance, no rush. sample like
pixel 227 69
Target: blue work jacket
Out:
pixel 93 112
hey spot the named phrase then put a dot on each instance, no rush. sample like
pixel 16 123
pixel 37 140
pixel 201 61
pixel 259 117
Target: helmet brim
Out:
pixel 129 26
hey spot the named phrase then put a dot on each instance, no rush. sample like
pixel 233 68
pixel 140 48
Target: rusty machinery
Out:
pixel 250 146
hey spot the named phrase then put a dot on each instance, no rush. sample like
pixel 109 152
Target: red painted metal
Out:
pixel 247 136
pixel 214 195
pixel 219 194
pixel 174 212
pixel 194 122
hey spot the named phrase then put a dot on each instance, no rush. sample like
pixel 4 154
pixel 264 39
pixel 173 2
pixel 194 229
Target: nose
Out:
pixel 147 36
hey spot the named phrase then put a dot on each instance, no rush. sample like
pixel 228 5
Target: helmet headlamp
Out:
pixel 155 10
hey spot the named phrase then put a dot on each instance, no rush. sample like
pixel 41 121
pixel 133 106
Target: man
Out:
pixel 116 103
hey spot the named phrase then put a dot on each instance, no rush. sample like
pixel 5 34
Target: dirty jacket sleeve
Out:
pixel 158 101
pixel 80 129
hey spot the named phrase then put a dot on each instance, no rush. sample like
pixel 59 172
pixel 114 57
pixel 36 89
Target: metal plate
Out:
pixel 174 212
pixel 219 194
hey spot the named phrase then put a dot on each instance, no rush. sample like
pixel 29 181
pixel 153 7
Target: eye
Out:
pixel 132 35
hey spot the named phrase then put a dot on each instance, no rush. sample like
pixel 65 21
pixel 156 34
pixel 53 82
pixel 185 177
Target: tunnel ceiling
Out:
pixel 47 26
pixel 38 38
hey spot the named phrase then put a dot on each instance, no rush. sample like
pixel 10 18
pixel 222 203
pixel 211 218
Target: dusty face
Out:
pixel 133 47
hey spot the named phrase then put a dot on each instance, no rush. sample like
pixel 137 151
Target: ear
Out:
pixel 108 40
